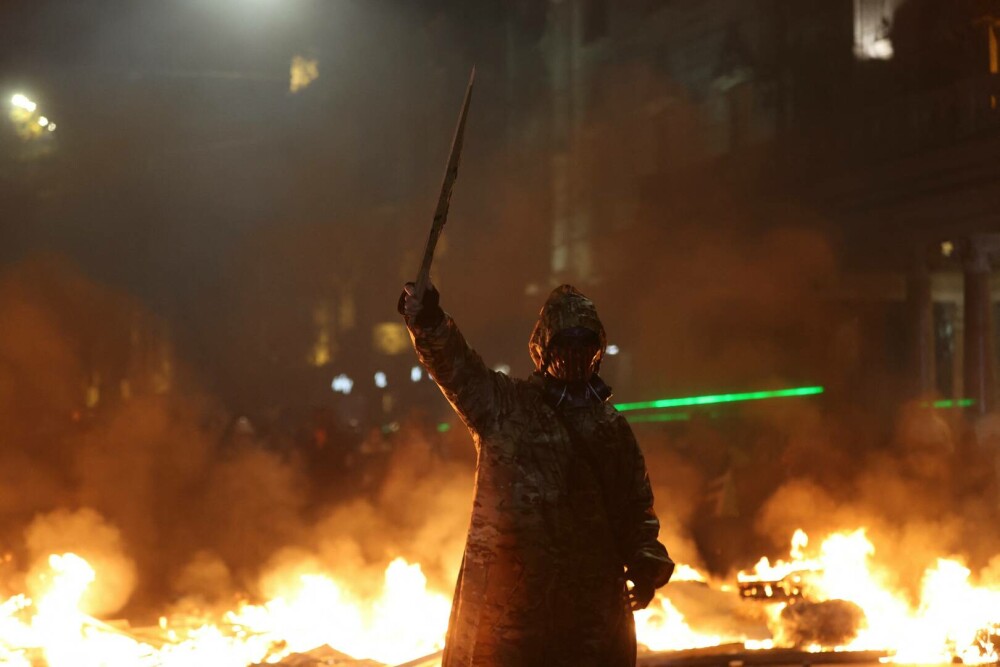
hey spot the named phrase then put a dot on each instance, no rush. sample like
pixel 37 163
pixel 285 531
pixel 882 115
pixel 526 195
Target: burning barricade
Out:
pixel 839 598
pixel 833 598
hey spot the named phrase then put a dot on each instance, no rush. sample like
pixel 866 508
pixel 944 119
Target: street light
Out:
pixel 28 121
pixel 21 101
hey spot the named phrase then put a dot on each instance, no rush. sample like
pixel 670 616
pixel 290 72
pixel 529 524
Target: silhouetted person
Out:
pixel 563 511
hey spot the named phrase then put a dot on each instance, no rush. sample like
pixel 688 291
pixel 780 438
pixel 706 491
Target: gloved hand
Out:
pixel 425 313
pixel 640 595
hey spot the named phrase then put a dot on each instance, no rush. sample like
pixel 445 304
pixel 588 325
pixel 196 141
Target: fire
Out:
pixel 764 571
pixel 54 627
pixel 311 610
pixel 955 617
pixel 661 627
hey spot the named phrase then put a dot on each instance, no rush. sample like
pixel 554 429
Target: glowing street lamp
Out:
pixel 28 121
pixel 22 102
pixel 342 384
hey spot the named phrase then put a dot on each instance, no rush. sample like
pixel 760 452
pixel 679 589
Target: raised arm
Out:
pixel 473 390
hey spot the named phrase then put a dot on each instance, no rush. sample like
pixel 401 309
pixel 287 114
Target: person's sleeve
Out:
pixel 474 391
pixel 645 557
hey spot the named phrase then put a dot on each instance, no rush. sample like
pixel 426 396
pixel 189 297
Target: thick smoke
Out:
pixel 922 496
pixel 86 534
pixel 420 511
pixel 722 279
pixel 166 495
pixel 175 499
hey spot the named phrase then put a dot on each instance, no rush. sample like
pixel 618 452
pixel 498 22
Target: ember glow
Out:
pixel 954 617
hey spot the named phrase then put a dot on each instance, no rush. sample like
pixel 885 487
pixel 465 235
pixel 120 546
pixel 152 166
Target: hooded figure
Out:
pixel 563 513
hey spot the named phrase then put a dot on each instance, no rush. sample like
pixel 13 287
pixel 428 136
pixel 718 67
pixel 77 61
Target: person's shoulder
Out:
pixel 617 421
pixel 523 387
pixel 612 414
pixel 528 393
pixel 513 390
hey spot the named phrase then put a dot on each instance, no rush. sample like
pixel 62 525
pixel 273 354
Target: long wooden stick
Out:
pixel 444 200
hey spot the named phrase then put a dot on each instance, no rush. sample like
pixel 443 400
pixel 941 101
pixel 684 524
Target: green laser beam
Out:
pixel 660 417
pixel 713 399
pixel 957 403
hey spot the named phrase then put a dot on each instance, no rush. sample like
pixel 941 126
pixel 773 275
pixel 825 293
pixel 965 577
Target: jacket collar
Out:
pixel 572 394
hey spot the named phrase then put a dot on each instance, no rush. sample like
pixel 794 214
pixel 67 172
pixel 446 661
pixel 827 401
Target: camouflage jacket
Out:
pixel 553 529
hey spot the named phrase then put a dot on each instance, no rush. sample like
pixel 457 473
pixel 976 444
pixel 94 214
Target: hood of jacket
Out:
pixel 565 308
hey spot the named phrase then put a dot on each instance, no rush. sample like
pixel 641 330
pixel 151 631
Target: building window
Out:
pixel 872 21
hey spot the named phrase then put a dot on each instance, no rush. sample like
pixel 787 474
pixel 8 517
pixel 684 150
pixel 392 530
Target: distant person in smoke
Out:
pixel 562 546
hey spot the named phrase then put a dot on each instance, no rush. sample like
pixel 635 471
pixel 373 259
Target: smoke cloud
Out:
pixel 922 496
pixel 114 449
pixel 86 534
pixel 167 495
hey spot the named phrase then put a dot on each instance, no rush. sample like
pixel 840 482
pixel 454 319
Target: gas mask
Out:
pixel 573 355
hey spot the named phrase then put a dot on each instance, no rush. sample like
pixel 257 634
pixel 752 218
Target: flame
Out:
pixel 687 573
pixel 954 617
pixel 310 611
pixel 661 627
pixel 765 571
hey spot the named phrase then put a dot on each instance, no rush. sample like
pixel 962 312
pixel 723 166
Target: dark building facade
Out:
pixel 879 119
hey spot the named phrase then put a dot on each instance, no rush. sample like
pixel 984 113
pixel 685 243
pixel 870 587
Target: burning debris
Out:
pixel 843 601
pixel 988 642
pixel 788 588
pixel 315 611
pixel 320 657
pixel 314 619
pixel 824 623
